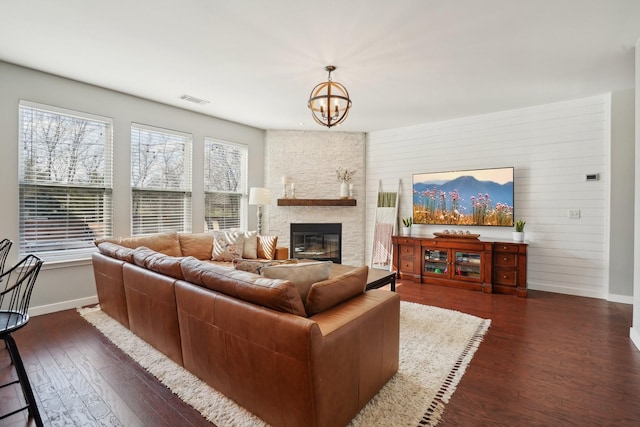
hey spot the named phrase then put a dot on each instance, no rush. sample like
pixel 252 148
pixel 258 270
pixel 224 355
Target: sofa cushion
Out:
pixel 167 243
pixel 302 275
pixel 227 245
pixel 116 251
pixel 250 250
pixel 256 265
pixel 158 262
pixel 267 246
pixel 331 292
pixel 279 295
pixel 199 245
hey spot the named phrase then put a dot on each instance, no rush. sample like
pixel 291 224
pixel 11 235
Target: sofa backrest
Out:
pixel 158 262
pixel 167 243
pixel 116 251
pixel 198 245
pixel 275 294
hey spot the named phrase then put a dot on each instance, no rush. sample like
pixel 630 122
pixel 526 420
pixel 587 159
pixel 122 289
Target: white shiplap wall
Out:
pixel 552 148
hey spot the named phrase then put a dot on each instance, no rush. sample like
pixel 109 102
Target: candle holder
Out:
pixel 293 190
pixel 285 183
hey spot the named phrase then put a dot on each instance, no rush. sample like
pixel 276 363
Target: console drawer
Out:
pixel 505 277
pixel 505 259
pixel 406 265
pixel 406 250
pixel 505 247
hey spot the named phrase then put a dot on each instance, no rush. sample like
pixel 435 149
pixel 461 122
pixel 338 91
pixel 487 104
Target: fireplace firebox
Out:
pixel 318 241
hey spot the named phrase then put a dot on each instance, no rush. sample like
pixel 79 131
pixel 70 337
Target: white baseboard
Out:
pixel 565 290
pixel 620 298
pixel 580 292
pixel 64 305
pixel 634 334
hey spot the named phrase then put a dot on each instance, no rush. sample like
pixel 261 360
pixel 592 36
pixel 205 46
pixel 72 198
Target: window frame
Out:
pixel 243 184
pixel 184 191
pixel 44 237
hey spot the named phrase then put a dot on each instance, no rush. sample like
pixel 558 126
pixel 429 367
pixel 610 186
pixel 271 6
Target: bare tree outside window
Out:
pixel 65 181
pixel 225 166
pixel 160 180
pixel 61 149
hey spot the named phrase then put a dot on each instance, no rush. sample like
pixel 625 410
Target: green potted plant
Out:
pixel 518 235
pixel 406 226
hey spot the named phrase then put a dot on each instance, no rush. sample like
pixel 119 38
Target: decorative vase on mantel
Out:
pixel 344 190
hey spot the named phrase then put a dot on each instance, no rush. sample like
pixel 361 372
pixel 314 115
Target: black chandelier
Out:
pixel 329 102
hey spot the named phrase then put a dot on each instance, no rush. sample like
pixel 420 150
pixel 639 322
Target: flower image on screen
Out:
pixel 472 197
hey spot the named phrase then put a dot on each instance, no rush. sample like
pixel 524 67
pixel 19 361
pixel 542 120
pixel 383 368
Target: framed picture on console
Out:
pixel 468 197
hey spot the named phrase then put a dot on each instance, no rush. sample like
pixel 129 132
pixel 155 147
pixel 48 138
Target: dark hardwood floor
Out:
pixel 547 360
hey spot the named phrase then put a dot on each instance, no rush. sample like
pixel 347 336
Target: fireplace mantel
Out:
pixel 316 202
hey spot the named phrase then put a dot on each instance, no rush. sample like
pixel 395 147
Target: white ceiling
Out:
pixel 404 62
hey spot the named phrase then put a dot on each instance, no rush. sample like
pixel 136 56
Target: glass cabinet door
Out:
pixel 435 261
pixel 468 265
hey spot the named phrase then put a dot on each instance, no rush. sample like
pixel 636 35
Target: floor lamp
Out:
pixel 259 196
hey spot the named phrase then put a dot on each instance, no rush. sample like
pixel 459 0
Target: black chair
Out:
pixel 5 247
pixel 16 286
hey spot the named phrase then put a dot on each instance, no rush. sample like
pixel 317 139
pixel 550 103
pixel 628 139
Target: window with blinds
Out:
pixel 65 180
pixel 160 180
pixel 225 183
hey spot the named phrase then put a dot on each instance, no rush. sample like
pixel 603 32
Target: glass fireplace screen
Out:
pixel 320 242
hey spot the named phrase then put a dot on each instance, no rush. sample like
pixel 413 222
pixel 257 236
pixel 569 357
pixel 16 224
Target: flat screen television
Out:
pixel 468 197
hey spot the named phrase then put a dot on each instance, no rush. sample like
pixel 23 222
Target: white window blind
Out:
pixel 65 179
pixel 225 184
pixel 160 180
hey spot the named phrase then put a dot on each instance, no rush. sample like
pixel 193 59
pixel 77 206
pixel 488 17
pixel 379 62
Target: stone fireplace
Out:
pixel 318 241
pixel 310 159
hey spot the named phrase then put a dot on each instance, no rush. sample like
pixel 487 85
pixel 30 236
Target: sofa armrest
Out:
pixel 282 253
pixel 256 356
pixel 110 286
pixel 359 353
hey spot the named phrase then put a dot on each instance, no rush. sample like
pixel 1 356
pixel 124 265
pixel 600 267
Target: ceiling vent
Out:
pixel 193 99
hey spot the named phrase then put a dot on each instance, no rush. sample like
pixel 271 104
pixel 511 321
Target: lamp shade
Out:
pixel 259 196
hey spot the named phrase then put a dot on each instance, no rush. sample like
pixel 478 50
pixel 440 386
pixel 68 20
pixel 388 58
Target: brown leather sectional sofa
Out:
pixel 250 337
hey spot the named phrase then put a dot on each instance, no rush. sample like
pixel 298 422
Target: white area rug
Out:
pixel 436 346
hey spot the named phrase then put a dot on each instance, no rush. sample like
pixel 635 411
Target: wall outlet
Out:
pixel 574 213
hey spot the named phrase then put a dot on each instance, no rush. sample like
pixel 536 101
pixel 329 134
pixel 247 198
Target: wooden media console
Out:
pixel 488 265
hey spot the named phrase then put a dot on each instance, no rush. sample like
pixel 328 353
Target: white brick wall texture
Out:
pixel 310 160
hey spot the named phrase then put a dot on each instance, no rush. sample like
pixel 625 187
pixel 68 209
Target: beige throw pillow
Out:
pixel 250 250
pixel 227 245
pixel 329 293
pixel 302 275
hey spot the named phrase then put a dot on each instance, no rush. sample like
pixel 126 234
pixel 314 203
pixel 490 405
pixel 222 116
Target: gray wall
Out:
pixel 635 329
pixel 622 187
pixel 67 285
